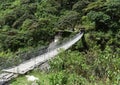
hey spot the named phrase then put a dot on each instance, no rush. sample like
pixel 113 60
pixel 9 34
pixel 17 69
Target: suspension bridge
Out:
pixel 28 65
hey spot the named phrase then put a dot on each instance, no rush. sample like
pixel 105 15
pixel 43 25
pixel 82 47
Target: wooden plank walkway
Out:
pixel 34 62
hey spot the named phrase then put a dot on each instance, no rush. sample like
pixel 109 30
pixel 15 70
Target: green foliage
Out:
pixel 80 5
pixel 7 59
pixel 95 63
pixel 58 78
pixel 96 5
pixel 68 21
pixel 98 16
pixel 112 9
pixel 87 23
pixel 101 20
pixel 23 18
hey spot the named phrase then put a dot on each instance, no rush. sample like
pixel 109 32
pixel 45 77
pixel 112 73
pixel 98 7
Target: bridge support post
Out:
pixel 86 47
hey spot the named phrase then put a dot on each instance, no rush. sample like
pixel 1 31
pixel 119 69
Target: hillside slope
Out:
pixel 26 25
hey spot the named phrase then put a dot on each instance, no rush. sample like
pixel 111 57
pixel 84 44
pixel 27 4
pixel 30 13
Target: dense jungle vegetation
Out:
pixel 26 25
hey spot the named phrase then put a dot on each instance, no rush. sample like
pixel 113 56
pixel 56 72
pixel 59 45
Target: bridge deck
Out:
pixel 6 77
pixel 32 63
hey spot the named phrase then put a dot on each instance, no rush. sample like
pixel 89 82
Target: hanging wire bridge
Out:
pixel 28 65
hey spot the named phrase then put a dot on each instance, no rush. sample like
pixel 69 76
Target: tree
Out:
pixel 101 20
pixel 80 5
pixel 68 21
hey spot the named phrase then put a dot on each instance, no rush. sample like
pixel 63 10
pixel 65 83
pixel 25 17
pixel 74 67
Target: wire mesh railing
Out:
pixel 23 56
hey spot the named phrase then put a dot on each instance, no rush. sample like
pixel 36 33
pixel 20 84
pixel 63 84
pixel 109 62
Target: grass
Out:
pixel 22 80
pixel 44 79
